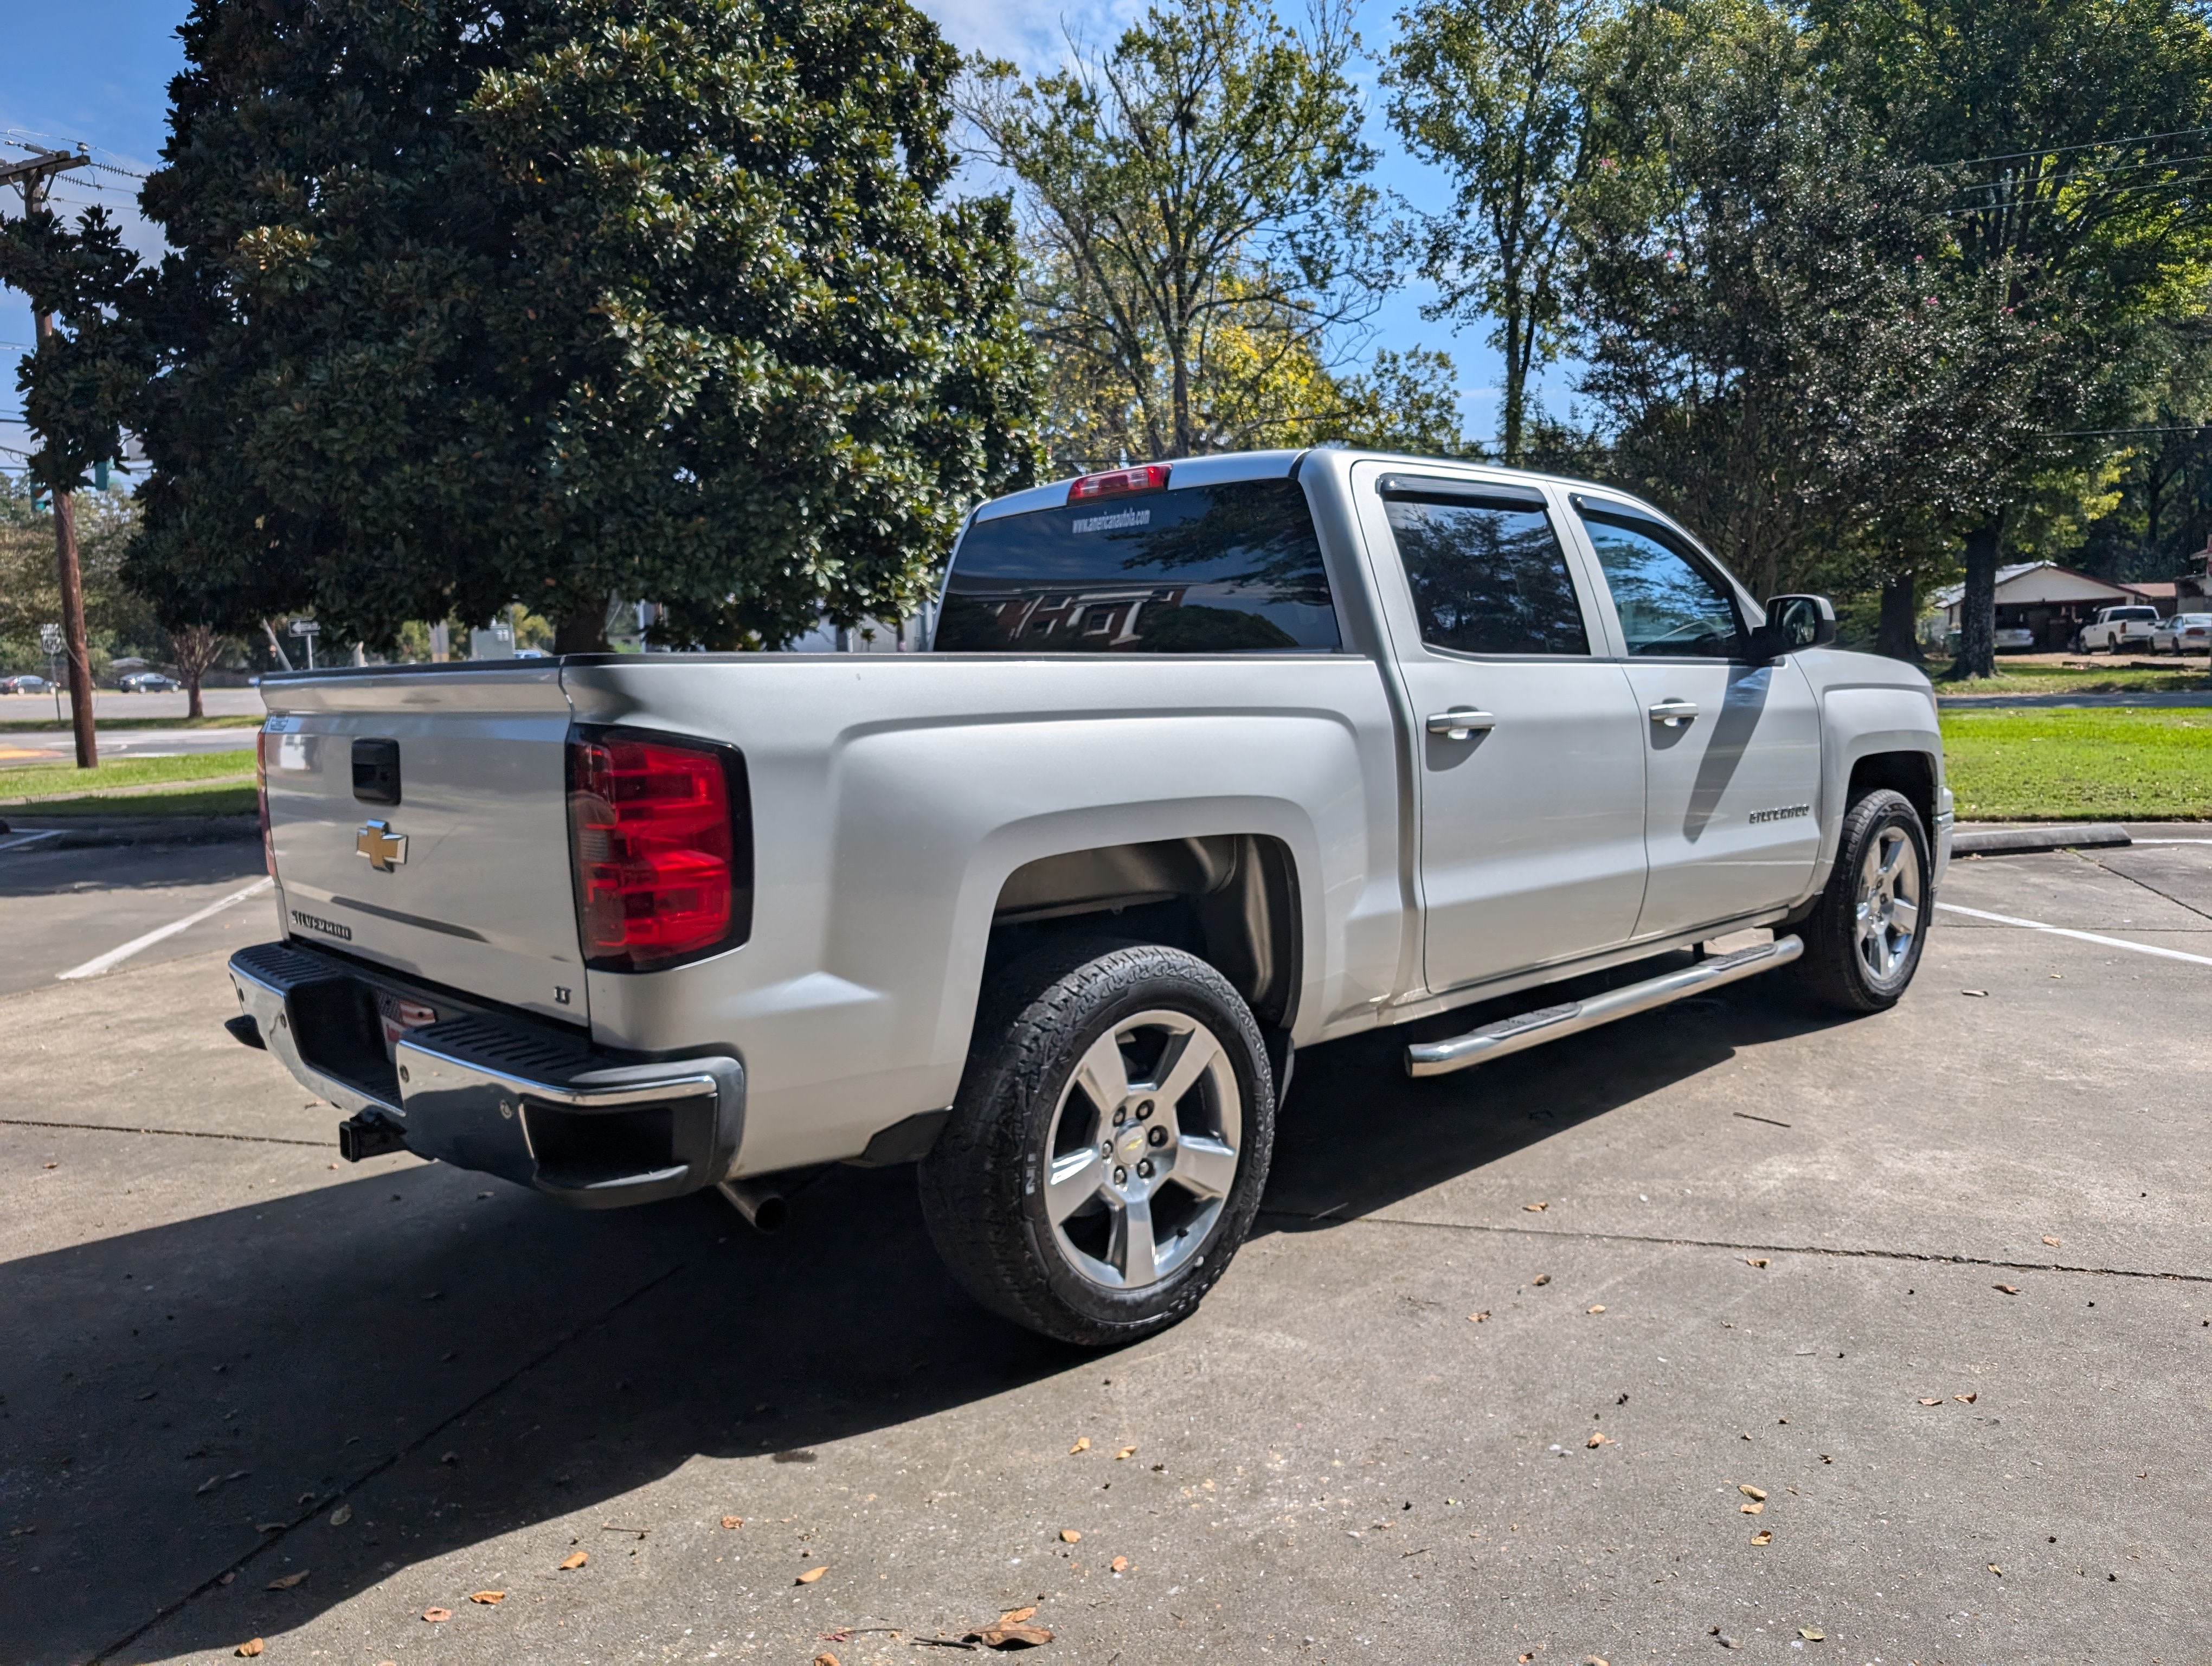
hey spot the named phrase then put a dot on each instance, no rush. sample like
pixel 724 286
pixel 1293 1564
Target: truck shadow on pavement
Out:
pixel 451 1358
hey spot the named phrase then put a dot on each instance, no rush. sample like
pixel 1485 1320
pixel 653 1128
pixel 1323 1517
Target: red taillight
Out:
pixel 261 799
pixel 1119 483
pixel 658 835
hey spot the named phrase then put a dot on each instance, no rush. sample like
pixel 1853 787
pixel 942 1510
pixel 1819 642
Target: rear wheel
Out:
pixel 1106 1154
pixel 1863 939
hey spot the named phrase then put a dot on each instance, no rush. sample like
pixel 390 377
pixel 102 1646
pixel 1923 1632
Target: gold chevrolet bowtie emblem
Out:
pixel 383 849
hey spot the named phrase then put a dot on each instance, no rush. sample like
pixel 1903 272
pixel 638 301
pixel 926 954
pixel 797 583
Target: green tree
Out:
pixel 1495 92
pixel 2075 132
pixel 1773 317
pixel 1200 226
pixel 566 300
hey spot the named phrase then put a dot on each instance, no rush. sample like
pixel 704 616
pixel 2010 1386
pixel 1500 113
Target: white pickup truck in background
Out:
pixel 2118 629
pixel 1210 761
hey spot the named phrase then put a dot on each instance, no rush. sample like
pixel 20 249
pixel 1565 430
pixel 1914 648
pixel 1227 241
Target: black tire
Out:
pixel 985 1181
pixel 1837 968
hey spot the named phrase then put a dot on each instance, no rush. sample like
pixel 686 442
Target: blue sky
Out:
pixel 98 71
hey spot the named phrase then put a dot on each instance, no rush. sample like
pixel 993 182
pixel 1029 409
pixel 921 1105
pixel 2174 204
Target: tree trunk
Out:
pixel 1516 388
pixel 1898 636
pixel 192 693
pixel 1977 608
pixel 584 631
pixel 73 637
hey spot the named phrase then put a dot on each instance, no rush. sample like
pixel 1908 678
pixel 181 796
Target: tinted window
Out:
pixel 1206 569
pixel 1670 603
pixel 1488 573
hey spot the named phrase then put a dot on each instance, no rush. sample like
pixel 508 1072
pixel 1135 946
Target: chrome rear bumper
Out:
pixel 530 1102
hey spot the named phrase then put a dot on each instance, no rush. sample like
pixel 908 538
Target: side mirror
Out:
pixel 1794 623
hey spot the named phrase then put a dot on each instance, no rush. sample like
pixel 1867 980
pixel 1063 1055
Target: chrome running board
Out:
pixel 1525 1030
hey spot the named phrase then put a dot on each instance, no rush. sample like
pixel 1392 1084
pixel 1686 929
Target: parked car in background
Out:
pixel 2014 639
pixel 2118 629
pixel 2184 633
pixel 147 682
pixel 24 684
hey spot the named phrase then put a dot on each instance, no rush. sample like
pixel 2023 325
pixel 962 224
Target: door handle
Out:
pixel 1460 722
pixel 1674 713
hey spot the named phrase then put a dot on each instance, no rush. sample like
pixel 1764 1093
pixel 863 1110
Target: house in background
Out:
pixel 2040 604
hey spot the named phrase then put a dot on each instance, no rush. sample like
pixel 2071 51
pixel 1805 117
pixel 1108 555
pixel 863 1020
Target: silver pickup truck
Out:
pixel 1208 761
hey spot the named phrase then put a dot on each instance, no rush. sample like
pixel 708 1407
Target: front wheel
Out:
pixel 1107 1150
pixel 1862 939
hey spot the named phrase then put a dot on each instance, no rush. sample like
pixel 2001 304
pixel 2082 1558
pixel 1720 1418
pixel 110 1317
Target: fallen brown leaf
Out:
pixel 1015 1616
pixel 2056 1244
pixel 1535 1208
pixel 1477 1318
pixel 2009 1289
pixel 825 1659
pixel 1542 1278
pixel 1125 1452
pixel 1010 1637
pixel 286 1581
pixel 488 1598
pixel 437 1616
pixel 1599 1438
pixel 1595 1307
pixel 1764 1536
pixel 1995 1569
pixel 1119 1565
pixel 1811 1633
pixel 1756 1260
pixel 1931 1402
pixel 251 1647
pixel 1068 1536
pixel 575 1559
pixel 1750 1491
pixel 733 1521
pixel 1966 1398
pixel 1082 1444
pixel 811 1575
pixel 1751 1508
pixel 1597 1660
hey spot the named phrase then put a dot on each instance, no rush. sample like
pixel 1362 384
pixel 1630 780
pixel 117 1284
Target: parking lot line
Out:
pixel 2086 937
pixel 115 958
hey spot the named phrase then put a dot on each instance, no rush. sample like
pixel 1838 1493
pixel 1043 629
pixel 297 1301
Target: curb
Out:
pixel 2015 840
pixel 86 833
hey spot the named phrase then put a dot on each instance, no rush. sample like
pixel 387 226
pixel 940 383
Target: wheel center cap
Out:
pixel 1132 1144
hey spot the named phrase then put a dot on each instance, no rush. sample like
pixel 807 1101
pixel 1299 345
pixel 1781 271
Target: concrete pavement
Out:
pixel 1734 1244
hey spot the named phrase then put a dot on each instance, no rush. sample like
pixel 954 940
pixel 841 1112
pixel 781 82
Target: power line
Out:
pixel 2087 145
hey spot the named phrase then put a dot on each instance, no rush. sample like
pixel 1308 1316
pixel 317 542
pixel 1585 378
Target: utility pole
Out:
pixel 31 178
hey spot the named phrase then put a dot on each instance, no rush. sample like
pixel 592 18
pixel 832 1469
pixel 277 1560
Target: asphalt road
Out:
pixel 1936 1283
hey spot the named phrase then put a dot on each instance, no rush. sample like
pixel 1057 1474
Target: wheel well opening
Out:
pixel 1910 773
pixel 1230 899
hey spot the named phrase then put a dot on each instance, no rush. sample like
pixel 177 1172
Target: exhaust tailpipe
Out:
pixel 763 1207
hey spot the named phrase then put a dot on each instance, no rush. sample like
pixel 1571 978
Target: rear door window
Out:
pixel 1230 569
pixel 1486 569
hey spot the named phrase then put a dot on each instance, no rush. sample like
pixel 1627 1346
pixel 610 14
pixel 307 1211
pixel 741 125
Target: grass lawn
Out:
pixel 38 779
pixel 167 801
pixel 53 726
pixel 2117 763
pixel 2185 676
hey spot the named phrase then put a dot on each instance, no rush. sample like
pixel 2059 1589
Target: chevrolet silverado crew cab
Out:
pixel 1208 761
pixel 2116 630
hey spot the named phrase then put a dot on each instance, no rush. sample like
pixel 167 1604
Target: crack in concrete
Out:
pixel 2145 884
pixel 370 1473
pixel 176 1134
pixel 1832 1250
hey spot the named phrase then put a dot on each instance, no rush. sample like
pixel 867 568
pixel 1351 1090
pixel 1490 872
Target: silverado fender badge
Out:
pixel 381 848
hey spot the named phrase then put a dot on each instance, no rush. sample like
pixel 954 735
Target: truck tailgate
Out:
pixel 458 871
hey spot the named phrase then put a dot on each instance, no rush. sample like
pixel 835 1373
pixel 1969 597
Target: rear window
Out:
pixel 1206 569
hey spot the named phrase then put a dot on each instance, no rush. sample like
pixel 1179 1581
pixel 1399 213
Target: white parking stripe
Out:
pixel 2086 937
pixel 115 958
pixel 17 841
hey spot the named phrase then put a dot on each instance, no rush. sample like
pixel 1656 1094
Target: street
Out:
pixel 58 746
pixel 1730 1331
